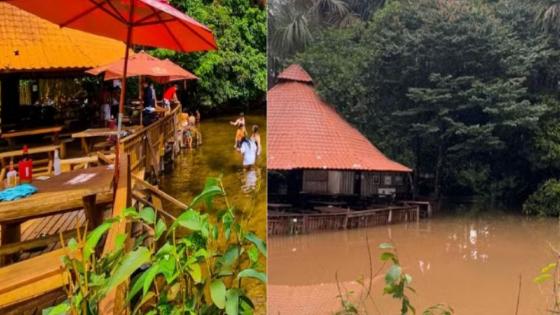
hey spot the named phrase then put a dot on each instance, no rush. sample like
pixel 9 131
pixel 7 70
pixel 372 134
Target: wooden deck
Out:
pixel 51 225
pixel 24 294
pixel 283 223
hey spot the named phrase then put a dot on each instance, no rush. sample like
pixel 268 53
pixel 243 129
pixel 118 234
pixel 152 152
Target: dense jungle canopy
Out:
pixel 463 91
pixel 235 74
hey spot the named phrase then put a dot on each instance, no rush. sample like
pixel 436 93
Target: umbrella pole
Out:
pixel 123 89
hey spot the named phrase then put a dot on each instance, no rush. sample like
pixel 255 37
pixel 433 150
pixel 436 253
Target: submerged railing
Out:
pixel 296 223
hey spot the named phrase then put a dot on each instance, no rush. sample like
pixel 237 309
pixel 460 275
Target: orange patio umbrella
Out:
pixel 152 23
pixel 142 64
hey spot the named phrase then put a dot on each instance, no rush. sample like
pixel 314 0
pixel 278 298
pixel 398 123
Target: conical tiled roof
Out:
pixel 295 73
pixel 305 132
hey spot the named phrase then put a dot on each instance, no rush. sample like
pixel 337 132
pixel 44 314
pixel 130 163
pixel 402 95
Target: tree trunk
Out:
pixel 437 179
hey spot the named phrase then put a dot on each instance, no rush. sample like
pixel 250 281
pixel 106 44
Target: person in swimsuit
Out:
pixel 256 137
pixel 239 136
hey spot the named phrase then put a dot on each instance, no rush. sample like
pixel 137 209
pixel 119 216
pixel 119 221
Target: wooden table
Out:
pixel 97 133
pixel 57 194
pixel 11 135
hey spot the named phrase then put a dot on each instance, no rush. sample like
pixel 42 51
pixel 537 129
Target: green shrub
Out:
pixel 545 201
pixel 189 265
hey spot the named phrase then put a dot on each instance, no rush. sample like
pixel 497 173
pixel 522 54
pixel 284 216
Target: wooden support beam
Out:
pixel 160 193
pixel 14 248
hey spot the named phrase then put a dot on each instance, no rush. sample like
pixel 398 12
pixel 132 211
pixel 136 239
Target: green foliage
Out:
pixel 450 88
pixel 236 72
pixel 193 266
pixel 545 201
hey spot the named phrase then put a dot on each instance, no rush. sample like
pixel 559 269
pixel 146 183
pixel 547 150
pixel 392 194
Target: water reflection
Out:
pixel 471 262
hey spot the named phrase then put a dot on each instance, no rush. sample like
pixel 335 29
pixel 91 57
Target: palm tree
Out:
pixel 549 15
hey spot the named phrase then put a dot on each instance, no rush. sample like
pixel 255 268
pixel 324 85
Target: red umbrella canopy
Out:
pixel 153 23
pixel 142 64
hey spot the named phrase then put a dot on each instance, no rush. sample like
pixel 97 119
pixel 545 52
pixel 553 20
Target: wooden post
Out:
pixel 93 215
pixel 11 233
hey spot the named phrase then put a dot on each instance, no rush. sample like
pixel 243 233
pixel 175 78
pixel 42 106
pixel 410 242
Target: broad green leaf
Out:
pixel 386 246
pixel 131 213
pixel 72 244
pixel 261 245
pixel 251 273
pixel 94 237
pixel 191 220
pixel 167 266
pixel 218 293
pixel 212 188
pixel 137 286
pixel 161 227
pixel 148 215
pixel 119 241
pixel 548 268
pixel 393 274
pixel 387 256
pixel 542 278
pixel 231 255
pixel 131 262
pixel 151 274
pixel 253 254
pixel 195 272
pixel 232 301
pixel 60 309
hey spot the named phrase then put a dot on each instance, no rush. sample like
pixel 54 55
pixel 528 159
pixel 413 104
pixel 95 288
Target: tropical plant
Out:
pixel 397 285
pixel 190 265
pixel 545 201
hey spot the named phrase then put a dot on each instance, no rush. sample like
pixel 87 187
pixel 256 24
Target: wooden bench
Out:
pixel 31 278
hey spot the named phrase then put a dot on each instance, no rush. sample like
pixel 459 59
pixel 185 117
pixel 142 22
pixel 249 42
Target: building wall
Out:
pixel 379 183
pixel 335 182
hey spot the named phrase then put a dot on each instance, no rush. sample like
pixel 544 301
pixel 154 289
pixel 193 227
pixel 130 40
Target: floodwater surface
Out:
pixel 217 157
pixel 477 264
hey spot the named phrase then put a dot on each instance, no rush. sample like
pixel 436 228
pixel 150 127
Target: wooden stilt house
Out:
pixel 313 151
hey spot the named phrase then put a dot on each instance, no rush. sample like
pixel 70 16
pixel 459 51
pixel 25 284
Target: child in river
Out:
pixel 239 136
pixel 256 137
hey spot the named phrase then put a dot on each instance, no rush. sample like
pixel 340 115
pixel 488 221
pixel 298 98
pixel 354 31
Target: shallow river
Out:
pixel 217 157
pixel 471 262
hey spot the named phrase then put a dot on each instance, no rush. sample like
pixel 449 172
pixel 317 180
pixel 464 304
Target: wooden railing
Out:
pixel 141 152
pixel 146 146
pixel 293 223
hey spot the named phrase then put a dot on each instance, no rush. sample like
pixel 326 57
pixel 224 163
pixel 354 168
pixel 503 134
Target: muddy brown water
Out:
pixel 471 262
pixel 217 157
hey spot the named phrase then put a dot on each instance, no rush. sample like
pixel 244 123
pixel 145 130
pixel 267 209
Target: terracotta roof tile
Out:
pixel 29 43
pixel 305 132
pixel 295 73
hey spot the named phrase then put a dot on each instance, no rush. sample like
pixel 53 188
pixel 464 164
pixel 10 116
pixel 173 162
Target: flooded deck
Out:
pixel 471 262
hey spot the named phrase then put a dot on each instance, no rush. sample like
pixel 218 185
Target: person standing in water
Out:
pixel 239 136
pixel 248 150
pixel 256 137
pixel 239 121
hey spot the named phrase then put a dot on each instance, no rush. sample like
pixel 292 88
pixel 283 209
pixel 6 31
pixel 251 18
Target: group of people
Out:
pixel 249 146
pixel 189 128
pixel 151 108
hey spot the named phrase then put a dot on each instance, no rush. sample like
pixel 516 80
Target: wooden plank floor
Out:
pixel 50 225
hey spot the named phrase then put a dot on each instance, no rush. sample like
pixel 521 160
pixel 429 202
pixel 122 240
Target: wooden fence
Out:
pixel 295 223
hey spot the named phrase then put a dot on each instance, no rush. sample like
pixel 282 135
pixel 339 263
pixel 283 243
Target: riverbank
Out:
pixel 471 262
